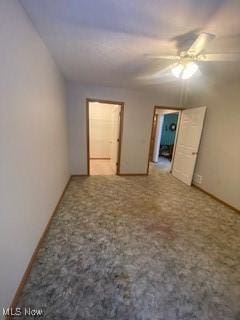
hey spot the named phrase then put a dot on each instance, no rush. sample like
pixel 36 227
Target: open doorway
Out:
pixel 104 119
pixel 178 157
pixel 164 132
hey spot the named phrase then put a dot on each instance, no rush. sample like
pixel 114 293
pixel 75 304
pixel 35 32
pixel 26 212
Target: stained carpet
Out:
pixel 144 248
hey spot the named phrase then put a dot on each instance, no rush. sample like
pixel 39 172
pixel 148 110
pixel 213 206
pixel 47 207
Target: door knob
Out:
pixel 194 153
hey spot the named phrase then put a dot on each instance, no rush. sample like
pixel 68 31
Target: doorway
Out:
pixel 182 154
pixel 164 132
pixel 104 131
pixel 163 138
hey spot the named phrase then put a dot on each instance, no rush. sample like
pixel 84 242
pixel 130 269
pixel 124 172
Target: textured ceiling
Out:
pixel 106 41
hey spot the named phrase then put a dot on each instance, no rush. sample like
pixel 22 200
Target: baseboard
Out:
pixel 216 198
pixel 118 174
pixel 132 174
pixel 100 158
pixel 79 175
pixel 14 302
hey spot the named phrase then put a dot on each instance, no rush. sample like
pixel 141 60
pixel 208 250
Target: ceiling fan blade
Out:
pixel 165 72
pixel 200 43
pixel 165 57
pixel 219 57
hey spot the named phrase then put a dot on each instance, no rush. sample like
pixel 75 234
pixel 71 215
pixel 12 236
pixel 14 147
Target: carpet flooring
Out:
pixel 144 248
pixel 163 164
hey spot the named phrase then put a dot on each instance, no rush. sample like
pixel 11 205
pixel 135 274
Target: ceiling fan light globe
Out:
pixel 177 70
pixel 189 70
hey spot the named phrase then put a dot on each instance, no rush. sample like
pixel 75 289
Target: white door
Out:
pixel 115 136
pixel 189 135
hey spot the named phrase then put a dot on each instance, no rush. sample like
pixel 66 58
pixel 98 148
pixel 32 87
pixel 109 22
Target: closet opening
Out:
pixel 104 132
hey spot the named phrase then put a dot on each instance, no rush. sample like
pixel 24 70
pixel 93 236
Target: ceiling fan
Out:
pixel 186 64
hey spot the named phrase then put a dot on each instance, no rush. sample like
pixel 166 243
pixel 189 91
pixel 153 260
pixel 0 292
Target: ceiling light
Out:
pixel 185 71
pixel 189 70
pixel 177 70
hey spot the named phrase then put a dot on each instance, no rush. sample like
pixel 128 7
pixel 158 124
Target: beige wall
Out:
pixel 138 112
pixel 33 143
pixel 219 155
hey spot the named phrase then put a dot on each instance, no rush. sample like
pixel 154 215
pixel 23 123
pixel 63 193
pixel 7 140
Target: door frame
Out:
pixel 153 132
pixel 121 104
pixel 153 135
